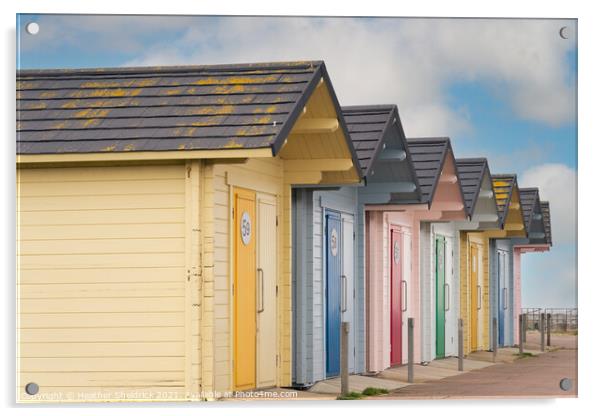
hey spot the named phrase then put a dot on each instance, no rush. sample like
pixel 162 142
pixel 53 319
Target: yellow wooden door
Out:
pixel 474 295
pixel 267 254
pixel 244 225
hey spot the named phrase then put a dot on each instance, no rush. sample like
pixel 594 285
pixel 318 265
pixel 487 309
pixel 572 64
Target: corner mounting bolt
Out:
pixel 32 28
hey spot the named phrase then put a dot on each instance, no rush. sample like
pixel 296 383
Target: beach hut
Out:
pixel 154 224
pixel 385 237
pixel 473 258
pixel 395 204
pixel 439 284
pixel 501 276
pixel 326 289
pixel 539 239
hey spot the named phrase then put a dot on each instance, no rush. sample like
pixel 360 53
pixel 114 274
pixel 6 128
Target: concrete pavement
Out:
pixel 531 377
pixel 536 376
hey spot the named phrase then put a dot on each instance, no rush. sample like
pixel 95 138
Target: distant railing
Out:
pixel 562 319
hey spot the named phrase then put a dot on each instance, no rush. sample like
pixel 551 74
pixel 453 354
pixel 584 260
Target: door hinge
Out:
pixel 354 235
pixel 276 360
pixel 232 212
pixel 276 290
pixel 276 221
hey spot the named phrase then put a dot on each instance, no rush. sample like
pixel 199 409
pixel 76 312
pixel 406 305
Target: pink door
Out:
pixel 396 296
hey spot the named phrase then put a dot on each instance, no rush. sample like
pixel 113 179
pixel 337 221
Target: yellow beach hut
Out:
pixel 475 179
pixel 479 296
pixel 154 228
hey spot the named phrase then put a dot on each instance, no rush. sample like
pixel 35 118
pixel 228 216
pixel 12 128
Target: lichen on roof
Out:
pixel 159 108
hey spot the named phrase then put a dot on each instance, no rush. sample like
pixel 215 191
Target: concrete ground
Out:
pixel 357 383
pixel 510 376
pixel 513 377
pixel 435 370
pixel 531 377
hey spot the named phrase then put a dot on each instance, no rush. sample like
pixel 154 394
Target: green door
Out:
pixel 440 295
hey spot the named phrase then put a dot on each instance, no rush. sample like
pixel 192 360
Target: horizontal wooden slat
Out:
pixel 99 202
pixel 71 232
pixel 103 364
pixel 100 319
pixel 92 174
pixel 91 261
pixel 116 187
pixel 114 379
pixel 102 349
pixel 120 245
pixel 123 334
pixel 101 290
pixel 108 275
pixel 158 304
pixel 131 216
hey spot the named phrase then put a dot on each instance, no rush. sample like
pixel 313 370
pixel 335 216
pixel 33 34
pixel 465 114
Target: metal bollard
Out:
pixel 523 330
pixel 410 350
pixel 344 358
pixel 542 331
pixel 494 341
pixel 549 329
pixel 521 319
pixel 460 345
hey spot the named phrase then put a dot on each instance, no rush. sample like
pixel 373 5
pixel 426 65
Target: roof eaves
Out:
pixel 320 74
pixel 297 109
pixel 535 200
pixel 439 170
pixel 381 139
pixel 487 171
pixel 482 162
pixel 511 177
pixel 520 206
pixel 453 158
pixel 407 150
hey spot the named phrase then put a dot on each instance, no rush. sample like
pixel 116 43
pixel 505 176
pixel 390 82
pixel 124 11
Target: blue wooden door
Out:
pixel 334 253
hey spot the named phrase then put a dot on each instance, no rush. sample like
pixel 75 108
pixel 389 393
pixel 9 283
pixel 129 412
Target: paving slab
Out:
pixel 504 355
pixel 452 364
pixel 422 373
pixel 531 377
pixel 356 383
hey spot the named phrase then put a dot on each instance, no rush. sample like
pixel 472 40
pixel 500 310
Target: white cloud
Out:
pixel 409 62
pixel 557 183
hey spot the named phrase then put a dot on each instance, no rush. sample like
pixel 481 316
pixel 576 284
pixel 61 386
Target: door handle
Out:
pixel 446 290
pixel 405 296
pixel 344 279
pixel 261 309
pixel 479 297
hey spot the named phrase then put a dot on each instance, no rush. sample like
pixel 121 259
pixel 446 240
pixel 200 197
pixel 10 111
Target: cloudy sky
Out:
pixel 503 89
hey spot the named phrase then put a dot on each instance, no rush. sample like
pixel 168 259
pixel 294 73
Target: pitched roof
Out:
pixel 428 156
pixel 547 221
pixel 528 202
pixel 470 173
pixel 367 125
pixel 163 108
pixel 502 188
